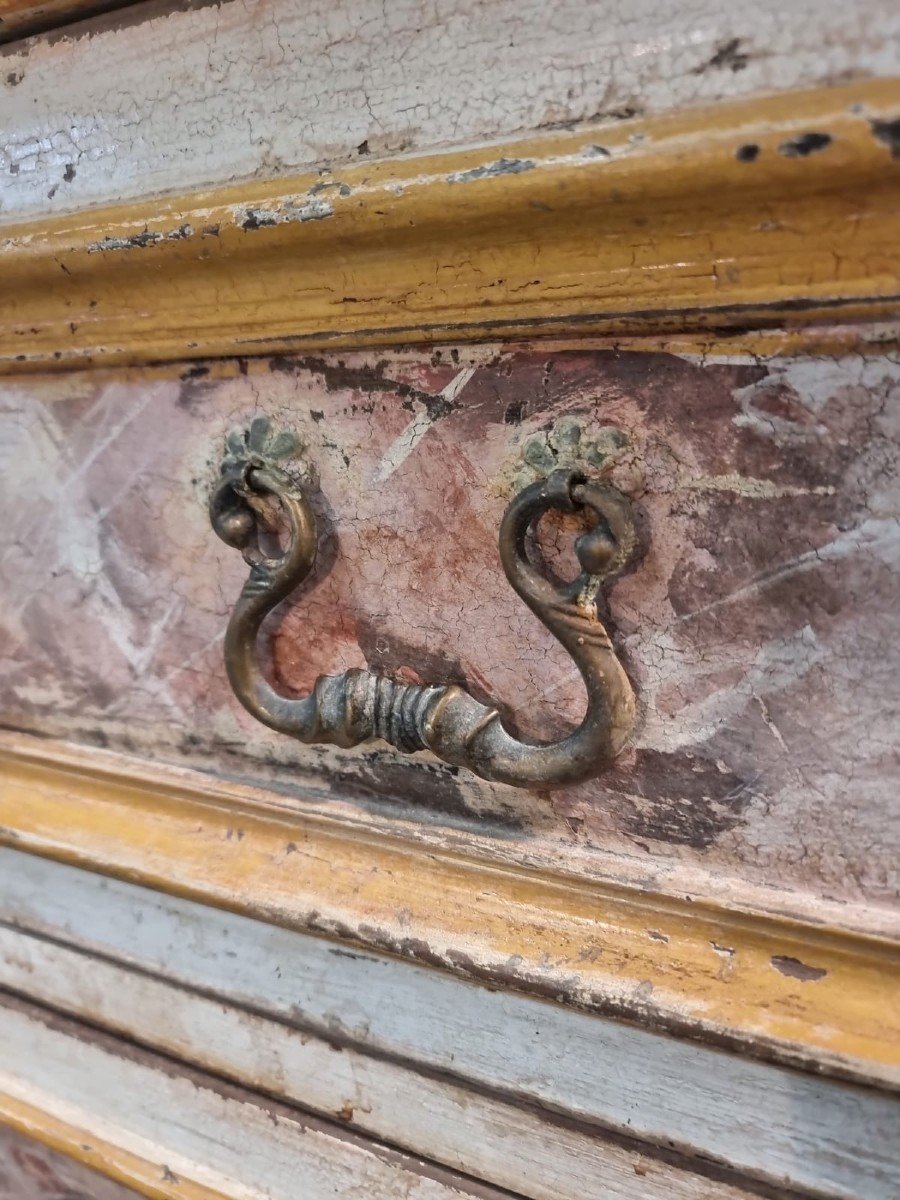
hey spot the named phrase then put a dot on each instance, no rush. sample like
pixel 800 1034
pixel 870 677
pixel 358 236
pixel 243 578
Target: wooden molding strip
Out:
pixel 172 1132
pixel 502 1087
pixel 770 212
pixel 817 996
pixel 22 18
pixel 99 1154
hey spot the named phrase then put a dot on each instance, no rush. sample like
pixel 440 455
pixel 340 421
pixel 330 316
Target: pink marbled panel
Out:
pixel 29 1171
pixel 758 628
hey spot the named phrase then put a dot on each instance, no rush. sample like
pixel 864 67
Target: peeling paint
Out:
pixel 806 144
pixel 503 166
pixel 139 241
pixel 795 969
pixel 888 132
pixel 756 621
pixel 754 489
pixel 282 84
pixel 286 213
pixel 728 57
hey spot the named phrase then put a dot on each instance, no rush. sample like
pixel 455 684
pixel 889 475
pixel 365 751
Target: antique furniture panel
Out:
pixel 167 1130
pixel 225 93
pixel 753 626
pixel 414 269
pixel 534 1097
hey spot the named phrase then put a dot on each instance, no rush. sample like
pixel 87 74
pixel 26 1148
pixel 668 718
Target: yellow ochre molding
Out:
pixel 21 18
pixel 816 995
pixel 146 1178
pixel 763 213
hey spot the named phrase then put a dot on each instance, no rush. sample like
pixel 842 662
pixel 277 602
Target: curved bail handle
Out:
pixel 467 733
pixel 254 498
pixel 602 551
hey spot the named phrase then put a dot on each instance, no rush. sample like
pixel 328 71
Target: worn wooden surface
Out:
pixel 31 1171
pixel 696 954
pixel 528 1095
pixel 167 96
pixel 176 1134
pixel 757 628
pixel 535 1156
pixel 22 18
pixel 770 212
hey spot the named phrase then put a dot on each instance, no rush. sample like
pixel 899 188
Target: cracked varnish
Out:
pixel 756 627
pixel 170 95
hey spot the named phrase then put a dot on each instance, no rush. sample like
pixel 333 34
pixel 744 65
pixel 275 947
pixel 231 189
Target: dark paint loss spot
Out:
pixel 889 133
pixel 195 372
pixel 795 969
pixel 747 153
pixel 806 144
pixel 370 378
pixel 257 220
pixel 728 56
pixel 680 799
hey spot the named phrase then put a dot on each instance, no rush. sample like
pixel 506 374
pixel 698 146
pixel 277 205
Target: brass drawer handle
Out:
pixel 347 709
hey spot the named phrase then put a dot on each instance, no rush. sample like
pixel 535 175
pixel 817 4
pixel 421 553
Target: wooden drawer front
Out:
pixel 754 628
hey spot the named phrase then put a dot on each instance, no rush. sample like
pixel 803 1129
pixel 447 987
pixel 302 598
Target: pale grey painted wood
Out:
pixel 227 91
pixel 192 1128
pixel 522 1151
pixel 774 1122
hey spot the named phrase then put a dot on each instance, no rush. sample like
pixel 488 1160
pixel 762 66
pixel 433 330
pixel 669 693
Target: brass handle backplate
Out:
pixel 255 496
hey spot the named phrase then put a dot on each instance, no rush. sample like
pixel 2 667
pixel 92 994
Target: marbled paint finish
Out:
pixel 757 627
pixel 29 1171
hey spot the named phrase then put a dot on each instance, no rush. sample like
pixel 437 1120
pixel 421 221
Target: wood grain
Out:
pixel 169 97
pixel 649 225
pixel 24 18
pixel 528 1095
pixel 819 996
pixel 180 1135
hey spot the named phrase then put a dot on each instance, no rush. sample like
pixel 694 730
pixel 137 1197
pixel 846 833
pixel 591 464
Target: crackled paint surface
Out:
pixel 172 96
pixel 756 628
pixel 29 1171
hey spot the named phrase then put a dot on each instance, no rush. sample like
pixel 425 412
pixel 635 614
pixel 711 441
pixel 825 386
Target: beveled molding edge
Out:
pixel 25 18
pixel 775 212
pixel 99 1154
pixel 820 996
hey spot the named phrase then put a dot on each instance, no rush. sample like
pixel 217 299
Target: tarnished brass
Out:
pixel 255 496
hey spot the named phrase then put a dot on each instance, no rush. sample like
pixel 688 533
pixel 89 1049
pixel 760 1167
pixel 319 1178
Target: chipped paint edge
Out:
pixel 24 18
pixel 646 228
pixel 686 964
pixel 98 1154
